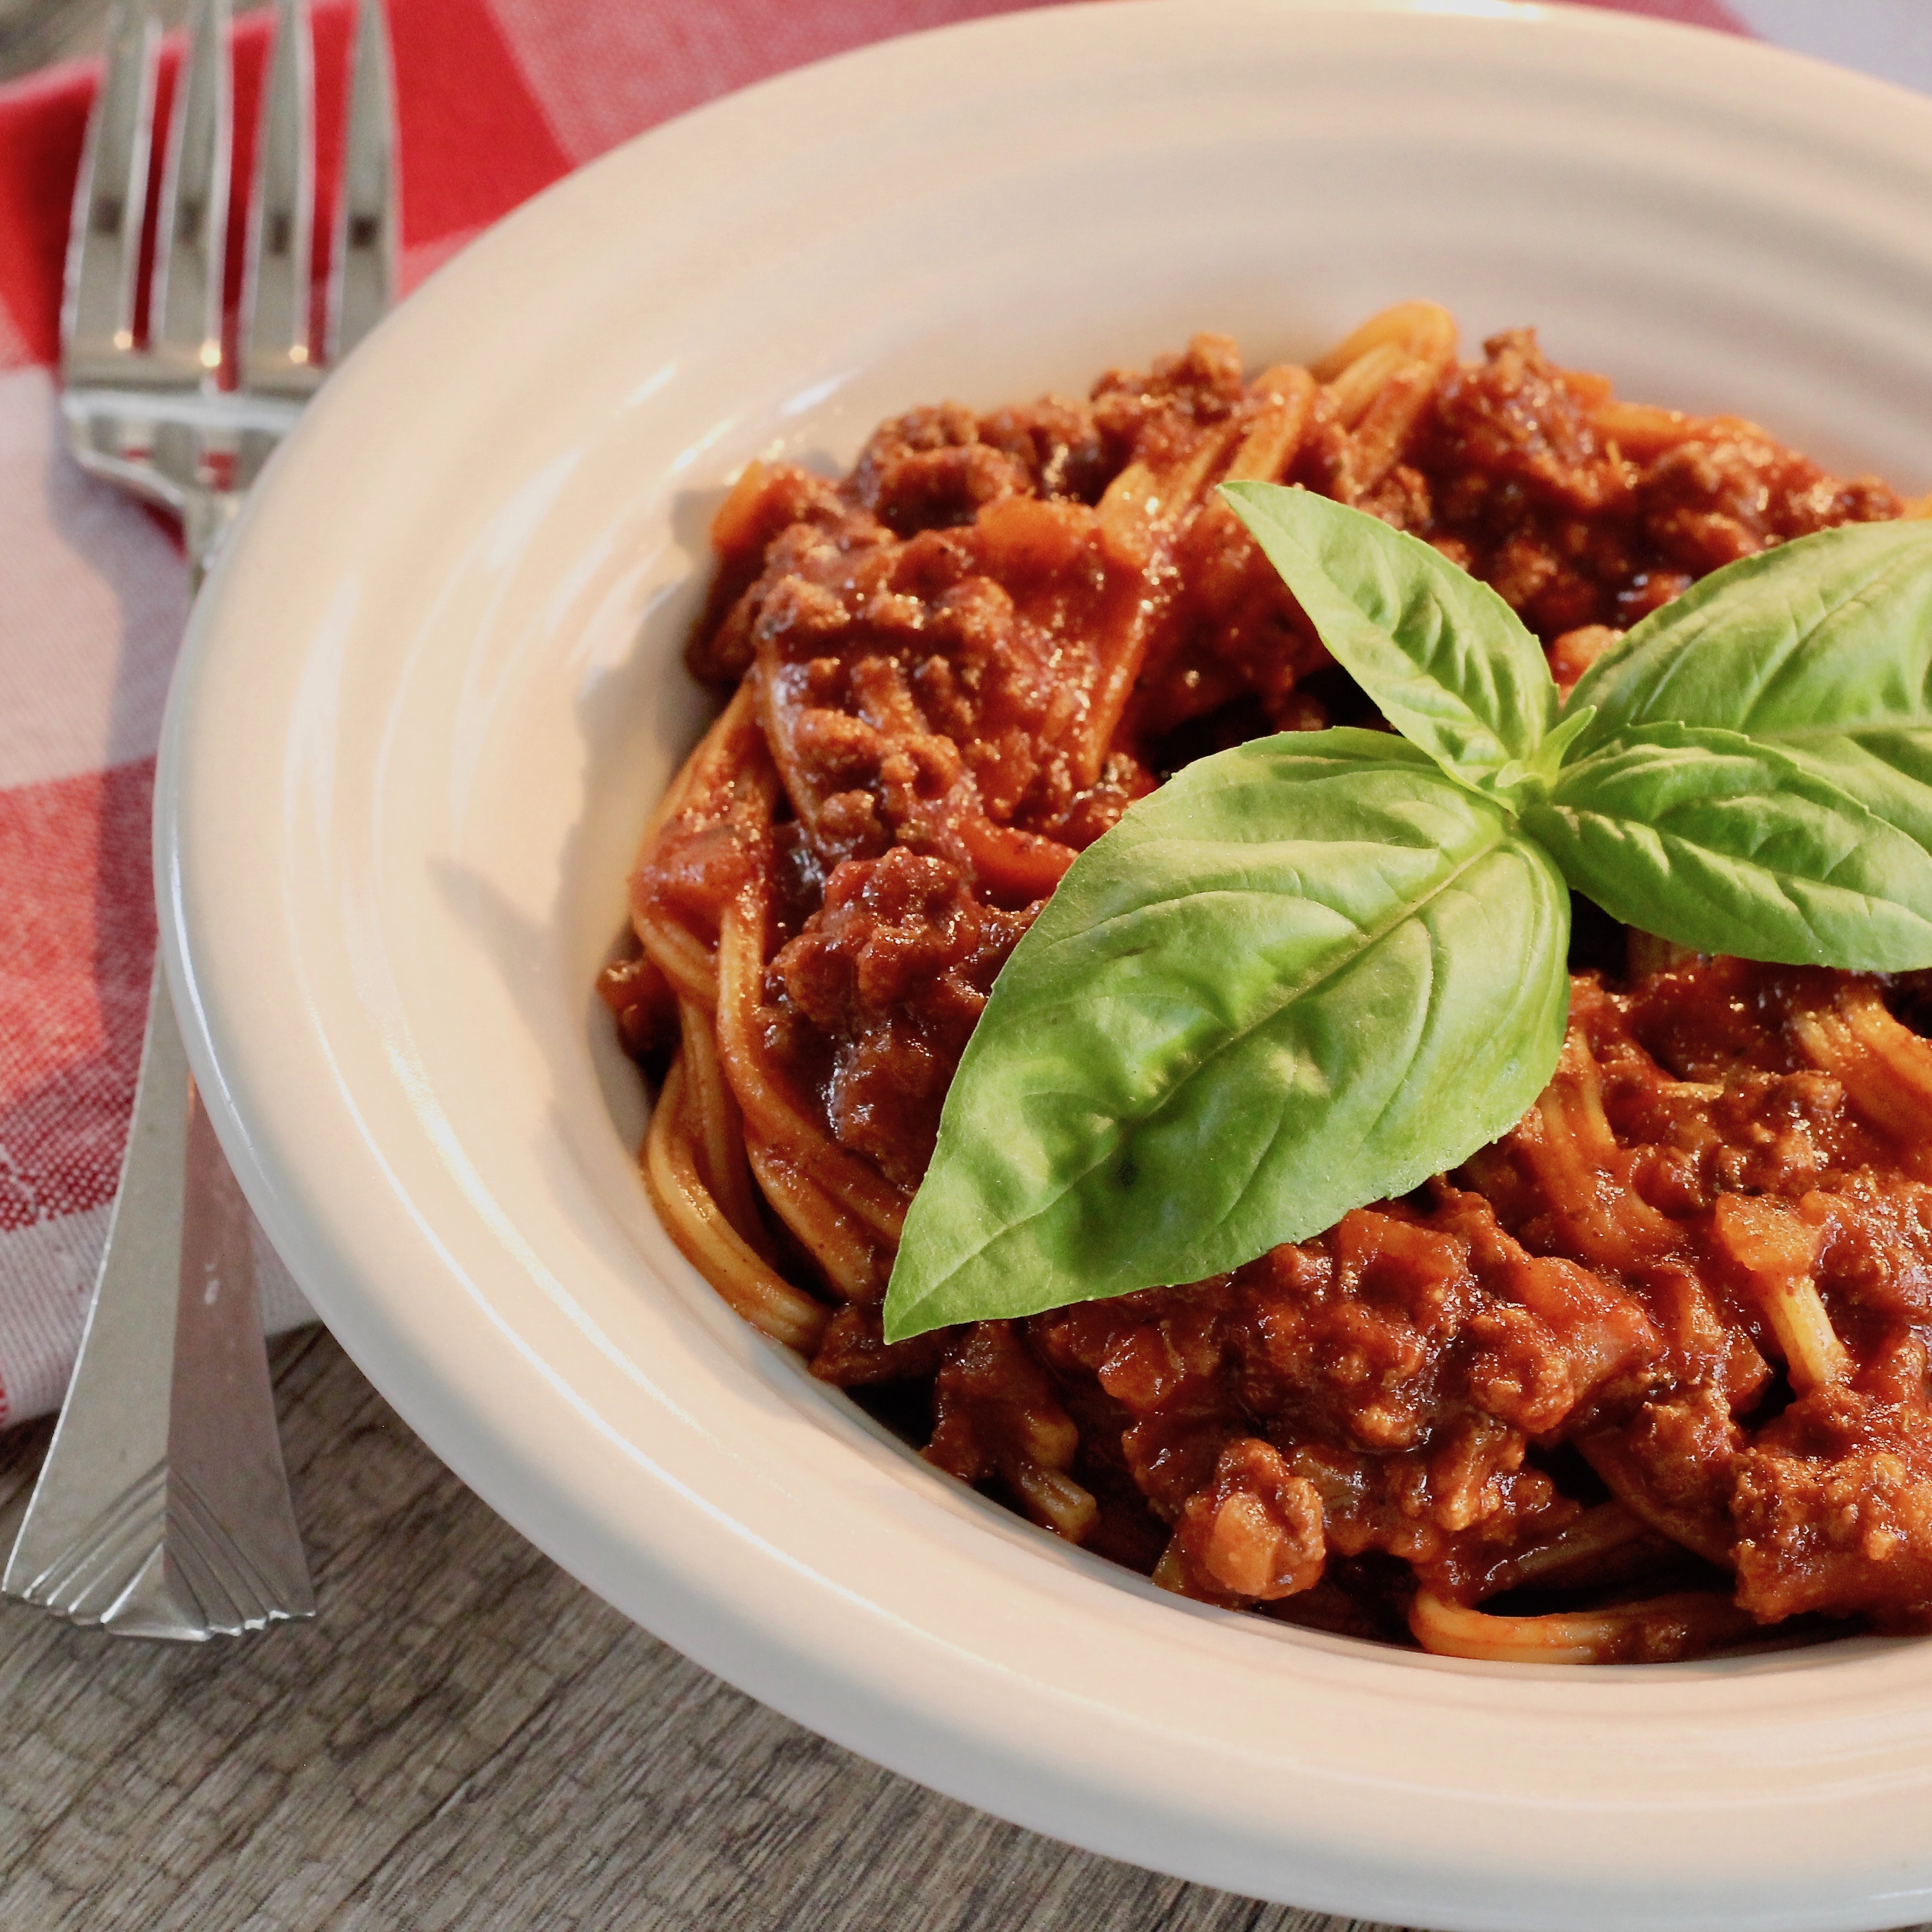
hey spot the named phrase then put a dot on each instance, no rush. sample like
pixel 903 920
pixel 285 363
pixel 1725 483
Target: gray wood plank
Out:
pixel 466 1737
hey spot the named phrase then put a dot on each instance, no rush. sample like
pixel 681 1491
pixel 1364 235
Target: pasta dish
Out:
pixel 1646 1378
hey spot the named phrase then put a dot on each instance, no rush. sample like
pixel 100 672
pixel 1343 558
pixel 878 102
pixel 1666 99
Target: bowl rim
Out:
pixel 924 1702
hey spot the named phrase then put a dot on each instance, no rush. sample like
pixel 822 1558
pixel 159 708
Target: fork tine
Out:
pixel 192 234
pixel 110 204
pixel 275 357
pixel 362 282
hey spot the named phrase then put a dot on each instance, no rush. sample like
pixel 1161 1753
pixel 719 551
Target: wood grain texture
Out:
pixel 465 1737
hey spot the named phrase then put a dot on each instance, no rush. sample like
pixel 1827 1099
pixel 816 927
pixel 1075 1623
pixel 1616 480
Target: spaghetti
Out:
pixel 1648 1374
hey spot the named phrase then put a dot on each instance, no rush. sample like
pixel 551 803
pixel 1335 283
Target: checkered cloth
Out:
pixel 497 99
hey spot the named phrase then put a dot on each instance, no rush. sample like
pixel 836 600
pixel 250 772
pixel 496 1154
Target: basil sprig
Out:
pixel 1310 972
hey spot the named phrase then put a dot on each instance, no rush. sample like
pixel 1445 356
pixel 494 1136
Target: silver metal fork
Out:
pixel 163 1508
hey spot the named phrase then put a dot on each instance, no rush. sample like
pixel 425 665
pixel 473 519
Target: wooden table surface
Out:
pixel 465 1737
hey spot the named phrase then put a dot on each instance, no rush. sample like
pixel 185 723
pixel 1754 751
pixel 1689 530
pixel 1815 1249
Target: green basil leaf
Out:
pixel 1305 973
pixel 1447 661
pixel 1889 772
pixel 1554 752
pixel 1822 648
pixel 1719 843
pixel 1522 778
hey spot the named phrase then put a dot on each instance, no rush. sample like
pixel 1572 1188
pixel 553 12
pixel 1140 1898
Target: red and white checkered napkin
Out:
pixel 498 98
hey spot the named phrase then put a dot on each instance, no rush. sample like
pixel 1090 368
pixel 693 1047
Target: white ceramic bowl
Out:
pixel 435 688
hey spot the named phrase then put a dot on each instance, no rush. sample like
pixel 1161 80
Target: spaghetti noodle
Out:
pixel 1646 1376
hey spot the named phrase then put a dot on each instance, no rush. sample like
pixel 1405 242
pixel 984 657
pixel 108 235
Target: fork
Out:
pixel 163 1508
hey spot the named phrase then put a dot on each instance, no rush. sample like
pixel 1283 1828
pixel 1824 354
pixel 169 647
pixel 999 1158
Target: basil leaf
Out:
pixel 1307 973
pixel 1447 661
pixel 1889 772
pixel 1554 752
pixel 1822 648
pixel 1722 844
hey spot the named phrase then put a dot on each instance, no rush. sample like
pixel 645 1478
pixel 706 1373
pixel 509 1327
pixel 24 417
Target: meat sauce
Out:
pixel 1669 1332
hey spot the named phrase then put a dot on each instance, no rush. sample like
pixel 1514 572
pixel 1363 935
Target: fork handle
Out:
pixel 163 1508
